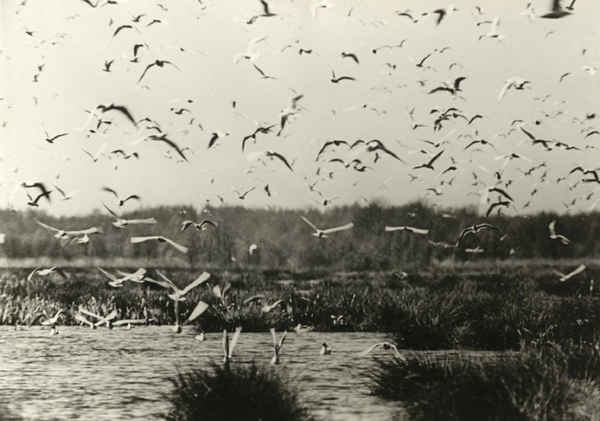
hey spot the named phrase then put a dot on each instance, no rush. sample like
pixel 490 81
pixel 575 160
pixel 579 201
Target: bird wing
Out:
pixel 424 58
pixel 204 276
pixel 110 211
pixel 551 228
pixel 579 269
pixel 282 340
pixel 253 298
pixel 120 28
pixel 259 70
pixel 272 330
pixel 165 284
pixel 132 197
pixel 171 144
pixel 440 88
pixel 502 192
pixel 33 272
pixel 435 158
pixel 186 224
pixel 382 147
pixel 371 348
pixel 491 208
pixel 309 223
pixel 225 343
pixel 135 240
pixel 418 230
pixel 463 234
pixel 148 221
pixel 109 275
pixel 123 110
pixel 234 340
pixel 48 227
pixel 208 222
pixel 458 81
pixel 342 228
pixel 80 318
pixel 532 137
pixel 89 313
pixel 177 246
pixel 106 189
pixel 281 158
pixel 36 319
pixel 145 70
pixel 388 228
pixel 509 83
pixel 168 62
pixel 248 191
pixel 200 308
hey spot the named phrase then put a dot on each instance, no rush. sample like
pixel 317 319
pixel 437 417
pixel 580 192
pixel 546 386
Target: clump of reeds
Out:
pixel 541 382
pixel 245 392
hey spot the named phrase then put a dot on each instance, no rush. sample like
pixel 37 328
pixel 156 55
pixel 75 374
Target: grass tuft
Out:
pixel 542 382
pixel 234 393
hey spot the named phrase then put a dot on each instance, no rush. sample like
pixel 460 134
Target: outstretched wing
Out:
pixel 368 350
pixel 234 340
pixel 186 224
pixel 342 228
pixel 309 223
pixel 135 240
pixel 179 247
pixel 201 307
pixel 204 276
pixel 145 70
pixel 48 227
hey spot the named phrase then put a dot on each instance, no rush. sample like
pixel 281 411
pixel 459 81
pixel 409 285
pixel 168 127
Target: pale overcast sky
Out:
pixel 72 41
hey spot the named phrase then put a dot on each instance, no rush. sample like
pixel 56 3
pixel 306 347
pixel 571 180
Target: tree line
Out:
pixel 284 240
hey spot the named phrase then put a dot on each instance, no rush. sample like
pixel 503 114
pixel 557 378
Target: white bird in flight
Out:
pixel 565 277
pixel 121 223
pixel 554 236
pixel 409 229
pixel 160 239
pixel 323 233
pixel 179 294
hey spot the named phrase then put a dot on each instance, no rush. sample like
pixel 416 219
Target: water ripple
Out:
pixel 122 374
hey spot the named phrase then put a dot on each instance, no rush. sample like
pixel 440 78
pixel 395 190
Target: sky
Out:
pixel 52 56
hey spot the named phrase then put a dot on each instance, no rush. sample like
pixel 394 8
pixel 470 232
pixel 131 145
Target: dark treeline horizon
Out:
pixel 284 240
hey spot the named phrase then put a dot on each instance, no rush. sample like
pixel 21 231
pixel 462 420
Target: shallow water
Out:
pixel 121 374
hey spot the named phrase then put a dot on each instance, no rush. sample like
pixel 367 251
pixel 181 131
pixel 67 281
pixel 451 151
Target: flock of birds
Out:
pixel 336 158
pixel 333 157
pixel 93 320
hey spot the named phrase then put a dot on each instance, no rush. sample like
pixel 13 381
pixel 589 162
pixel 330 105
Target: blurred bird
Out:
pixel 229 347
pixel 323 233
pixel 384 345
pixel 553 236
pixel 160 239
pixel 277 346
pixel 565 277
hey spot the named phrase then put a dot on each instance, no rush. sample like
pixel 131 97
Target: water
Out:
pixel 122 374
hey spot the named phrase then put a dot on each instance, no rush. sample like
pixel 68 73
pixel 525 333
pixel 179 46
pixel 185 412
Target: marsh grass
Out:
pixel 236 392
pixel 542 382
pixel 471 308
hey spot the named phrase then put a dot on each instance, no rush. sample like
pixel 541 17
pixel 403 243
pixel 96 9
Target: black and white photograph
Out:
pixel 300 210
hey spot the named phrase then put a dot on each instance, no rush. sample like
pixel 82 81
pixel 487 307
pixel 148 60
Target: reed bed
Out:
pixel 463 309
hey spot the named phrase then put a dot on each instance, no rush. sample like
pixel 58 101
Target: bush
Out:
pixel 233 393
pixel 537 383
